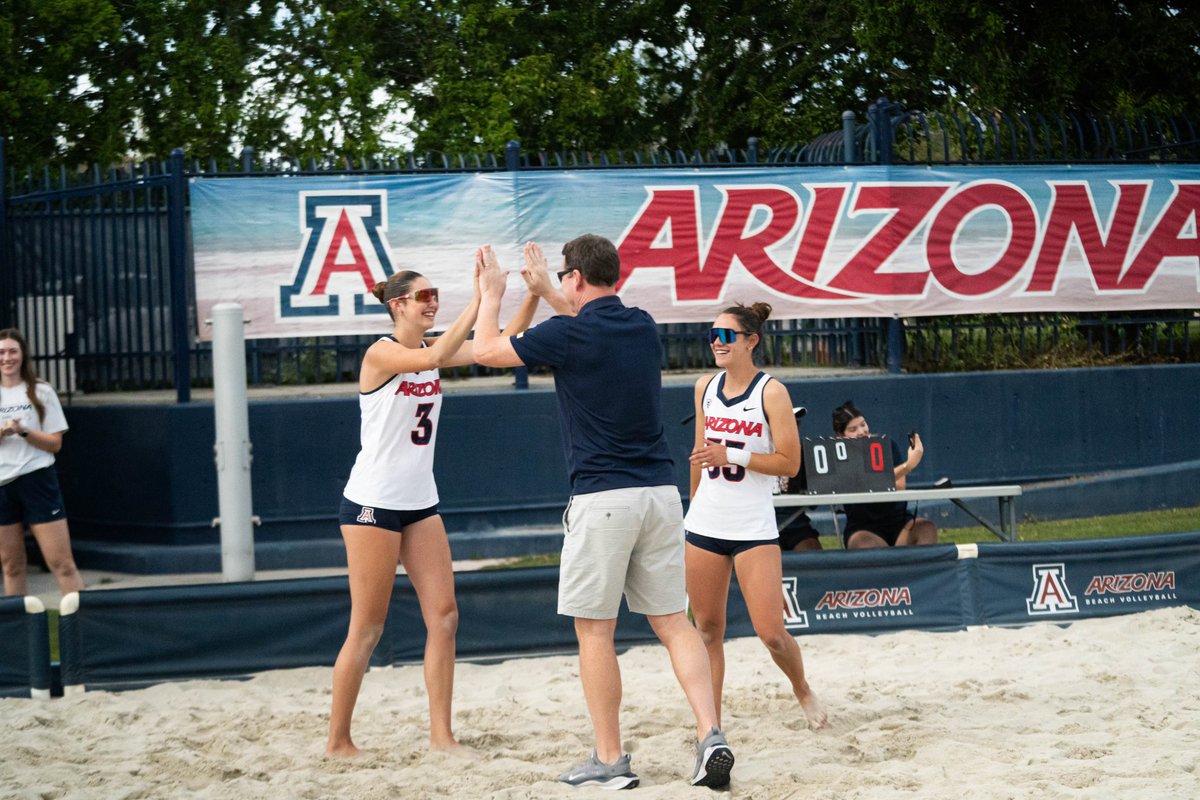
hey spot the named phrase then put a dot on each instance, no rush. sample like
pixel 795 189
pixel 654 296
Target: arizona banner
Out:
pixel 301 253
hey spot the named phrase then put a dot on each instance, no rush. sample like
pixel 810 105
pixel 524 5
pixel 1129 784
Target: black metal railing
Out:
pixel 96 266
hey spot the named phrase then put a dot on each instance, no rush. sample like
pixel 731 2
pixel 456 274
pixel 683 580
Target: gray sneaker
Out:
pixel 595 772
pixel 714 761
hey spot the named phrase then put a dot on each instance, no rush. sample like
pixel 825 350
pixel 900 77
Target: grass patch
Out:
pixel 537 560
pixel 52 622
pixel 1142 523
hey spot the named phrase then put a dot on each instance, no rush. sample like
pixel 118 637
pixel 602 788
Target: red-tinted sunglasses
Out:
pixel 420 295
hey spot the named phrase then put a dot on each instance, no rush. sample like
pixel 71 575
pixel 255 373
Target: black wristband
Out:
pixel 23 434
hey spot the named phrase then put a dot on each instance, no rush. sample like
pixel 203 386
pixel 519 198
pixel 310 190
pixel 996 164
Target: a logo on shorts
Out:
pixel 1050 592
pixel 793 616
pixel 366 516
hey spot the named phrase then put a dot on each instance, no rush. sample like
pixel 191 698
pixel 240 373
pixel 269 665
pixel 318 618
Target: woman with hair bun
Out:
pixel 389 513
pixel 746 438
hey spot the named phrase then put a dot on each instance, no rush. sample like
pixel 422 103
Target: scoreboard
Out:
pixel 835 465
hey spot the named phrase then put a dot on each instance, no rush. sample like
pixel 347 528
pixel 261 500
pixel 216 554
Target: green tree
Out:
pixel 1129 57
pixel 52 101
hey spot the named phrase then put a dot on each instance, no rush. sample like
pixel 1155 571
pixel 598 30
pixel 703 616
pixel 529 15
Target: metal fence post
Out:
pixel 895 345
pixel 177 266
pixel 247 159
pixel 849 145
pixel 752 150
pixel 232 448
pixel 512 163
pixel 5 267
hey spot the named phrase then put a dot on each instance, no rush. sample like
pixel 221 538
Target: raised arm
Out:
pixel 696 471
pixel 916 452
pixel 537 277
pixel 518 324
pixel 390 358
pixel 491 347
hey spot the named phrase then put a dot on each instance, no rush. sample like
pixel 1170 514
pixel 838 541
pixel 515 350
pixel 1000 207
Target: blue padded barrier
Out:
pixel 1019 583
pixel 24 648
pixel 131 637
pixel 874 591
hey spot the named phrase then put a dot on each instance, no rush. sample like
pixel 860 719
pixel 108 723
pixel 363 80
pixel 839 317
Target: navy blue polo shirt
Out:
pixel 608 379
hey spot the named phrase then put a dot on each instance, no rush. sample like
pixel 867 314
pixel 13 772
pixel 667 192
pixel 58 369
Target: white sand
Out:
pixel 1103 708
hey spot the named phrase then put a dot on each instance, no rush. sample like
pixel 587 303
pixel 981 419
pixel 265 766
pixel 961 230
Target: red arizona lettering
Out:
pixel 818 228
pixel 911 205
pixel 672 215
pixel 1072 208
pixel 730 241
pixel 1023 233
pixel 343 233
pixel 1167 240
pixel 1131 582
pixel 675 212
pixel 738 426
pixel 426 389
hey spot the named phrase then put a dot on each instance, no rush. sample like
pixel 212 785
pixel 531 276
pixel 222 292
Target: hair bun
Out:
pixel 378 290
pixel 761 310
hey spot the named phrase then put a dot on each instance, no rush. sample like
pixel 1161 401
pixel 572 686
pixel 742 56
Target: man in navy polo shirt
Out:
pixel 624 522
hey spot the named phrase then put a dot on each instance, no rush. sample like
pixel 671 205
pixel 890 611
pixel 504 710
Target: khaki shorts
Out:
pixel 623 541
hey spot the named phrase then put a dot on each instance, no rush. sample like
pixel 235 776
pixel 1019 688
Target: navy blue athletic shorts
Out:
pixel 351 513
pixel 726 547
pixel 33 498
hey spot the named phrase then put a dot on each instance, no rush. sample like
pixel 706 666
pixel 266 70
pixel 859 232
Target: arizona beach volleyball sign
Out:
pixel 301 253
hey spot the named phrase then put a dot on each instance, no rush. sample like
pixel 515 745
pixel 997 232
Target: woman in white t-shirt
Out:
pixel 746 437
pixel 389 511
pixel 31 432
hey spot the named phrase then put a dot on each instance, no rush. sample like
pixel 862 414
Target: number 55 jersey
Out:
pixel 732 502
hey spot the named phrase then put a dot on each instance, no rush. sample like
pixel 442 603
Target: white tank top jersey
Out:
pixel 394 468
pixel 732 502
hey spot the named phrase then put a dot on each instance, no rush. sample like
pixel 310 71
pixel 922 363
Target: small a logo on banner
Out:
pixel 794 617
pixel 1050 592
pixel 343 256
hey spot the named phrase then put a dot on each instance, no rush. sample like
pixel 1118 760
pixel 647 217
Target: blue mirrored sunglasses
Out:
pixel 723 335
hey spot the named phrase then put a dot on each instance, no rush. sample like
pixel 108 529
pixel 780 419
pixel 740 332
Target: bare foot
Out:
pixel 813 710
pixel 343 750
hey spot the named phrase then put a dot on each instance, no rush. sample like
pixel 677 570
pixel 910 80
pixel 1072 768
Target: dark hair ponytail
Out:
pixel 394 286
pixel 750 319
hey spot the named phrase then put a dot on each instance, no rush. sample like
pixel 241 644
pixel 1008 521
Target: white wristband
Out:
pixel 735 455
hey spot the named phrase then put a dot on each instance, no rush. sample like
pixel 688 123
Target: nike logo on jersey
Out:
pixel 749 408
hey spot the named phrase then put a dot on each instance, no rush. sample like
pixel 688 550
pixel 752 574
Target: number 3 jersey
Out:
pixel 732 502
pixel 394 468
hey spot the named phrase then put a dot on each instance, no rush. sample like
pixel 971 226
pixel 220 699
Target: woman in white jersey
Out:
pixel 389 510
pixel 746 437
pixel 31 432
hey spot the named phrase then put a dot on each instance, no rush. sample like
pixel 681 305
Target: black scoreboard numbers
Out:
pixel 833 465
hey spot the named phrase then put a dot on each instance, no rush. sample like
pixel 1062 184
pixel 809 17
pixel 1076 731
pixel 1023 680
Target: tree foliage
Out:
pixel 92 81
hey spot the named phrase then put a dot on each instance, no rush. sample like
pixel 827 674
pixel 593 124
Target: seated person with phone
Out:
pixel 882 524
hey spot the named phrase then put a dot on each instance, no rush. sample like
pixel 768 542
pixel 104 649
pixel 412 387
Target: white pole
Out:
pixel 232 448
